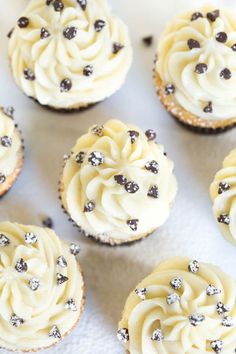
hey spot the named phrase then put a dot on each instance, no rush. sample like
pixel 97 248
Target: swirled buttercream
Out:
pixel 41 288
pixel 117 184
pixel 69 54
pixel 223 194
pixel 183 307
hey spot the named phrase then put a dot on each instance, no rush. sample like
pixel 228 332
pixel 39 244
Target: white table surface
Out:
pixel 111 273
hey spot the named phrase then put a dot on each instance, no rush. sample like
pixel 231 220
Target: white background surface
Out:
pixel 111 273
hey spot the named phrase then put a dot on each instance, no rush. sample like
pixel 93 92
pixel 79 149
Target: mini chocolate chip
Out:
pixel 201 68
pixel 217 345
pixel 9 111
pixel 148 41
pixel 44 33
pixel 222 308
pixel 223 187
pixel 141 293
pixel 123 335
pixel 16 321
pixel 96 158
pixel 153 192
pixel 66 85
pixel 21 266
pixel 97 130
pixel 150 134
pixel 211 290
pixel 34 284
pixel 99 25
pixel 196 319
pixel 54 332
pixel 58 5
pixel 23 22
pixel 61 279
pixel 74 249
pixel 29 75
pixel 221 37
pixel 89 207
pixel 10 33
pixel 157 335
pixel 61 262
pixel 79 158
pixel 133 224
pixel 192 43
pixel 88 70
pixel 133 135
pixel 234 47
pixel 2 178
pixel 224 219
pixel 131 187
pixel 176 283
pixel 48 222
pixel 208 108
pixel 4 241
pixel 169 89
pixel 117 47
pixel 172 298
pixel 70 305
pixel 120 179
pixel 212 16
pixel 6 141
pixel 226 74
pixel 152 166
pixel 194 267
pixel 83 4
pixel 30 238
pixel 196 16
pixel 70 32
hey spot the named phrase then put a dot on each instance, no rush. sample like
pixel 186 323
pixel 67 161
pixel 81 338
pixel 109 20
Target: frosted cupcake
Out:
pixel 184 307
pixel 11 150
pixel 118 185
pixel 195 72
pixel 69 54
pixel 42 288
pixel 223 193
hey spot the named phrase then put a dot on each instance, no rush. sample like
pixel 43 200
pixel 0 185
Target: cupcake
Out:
pixel 41 287
pixel 11 150
pixel 117 184
pixel 195 72
pixel 69 54
pixel 182 307
pixel 223 193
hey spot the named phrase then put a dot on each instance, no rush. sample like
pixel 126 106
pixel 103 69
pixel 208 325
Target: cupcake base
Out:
pixel 187 119
pixel 10 180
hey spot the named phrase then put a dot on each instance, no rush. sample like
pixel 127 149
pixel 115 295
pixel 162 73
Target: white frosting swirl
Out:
pixel 177 325
pixel 223 194
pixel 55 58
pixel 27 316
pixel 10 149
pixel 177 63
pixel 113 205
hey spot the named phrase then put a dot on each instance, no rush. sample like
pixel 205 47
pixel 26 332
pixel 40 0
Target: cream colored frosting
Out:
pixel 56 58
pixel 223 194
pixel 10 146
pixel 114 206
pixel 41 309
pixel 146 320
pixel 177 62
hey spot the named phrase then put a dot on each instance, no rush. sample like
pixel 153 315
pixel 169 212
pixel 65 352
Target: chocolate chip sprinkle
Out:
pixel 212 290
pixel 152 166
pixel 16 321
pixel 9 111
pixel 224 219
pixel 65 85
pixel 176 283
pixel 172 299
pixel 120 179
pixel 227 321
pixel 48 222
pixel 201 68
pixel 133 224
pixel 99 25
pixel 221 37
pixel 10 33
pixel 70 305
pixel 61 279
pixel 223 187
pixel 208 108
pixel 133 135
pixel 222 308
pixel 150 134
pixel 194 267
pixel 193 43
pixel 234 47
pixel 44 33
pixel 157 335
pixel 117 47
pixel 196 319
pixel 79 158
pixel 153 192
pixel 123 335
pixel 88 70
pixel 83 4
pixel 96 158
pixel 21 266
pixel 23 22
pixel 98 130
pixel 89 207
pixel 70 32
pixel 61 262
pixel 131 187
pixel 141 293
pixel 6 141
pixel 28 74
pixel 4 240
pixel 212 16
pixel 2 178
pixel 169 89
pixel 225 74
pixel 148 41
pixel 58 5
pixel 34 284
pixel 196 16
pixel 30 238
pixel 74 249
pixel 54 332
pixel 217 345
